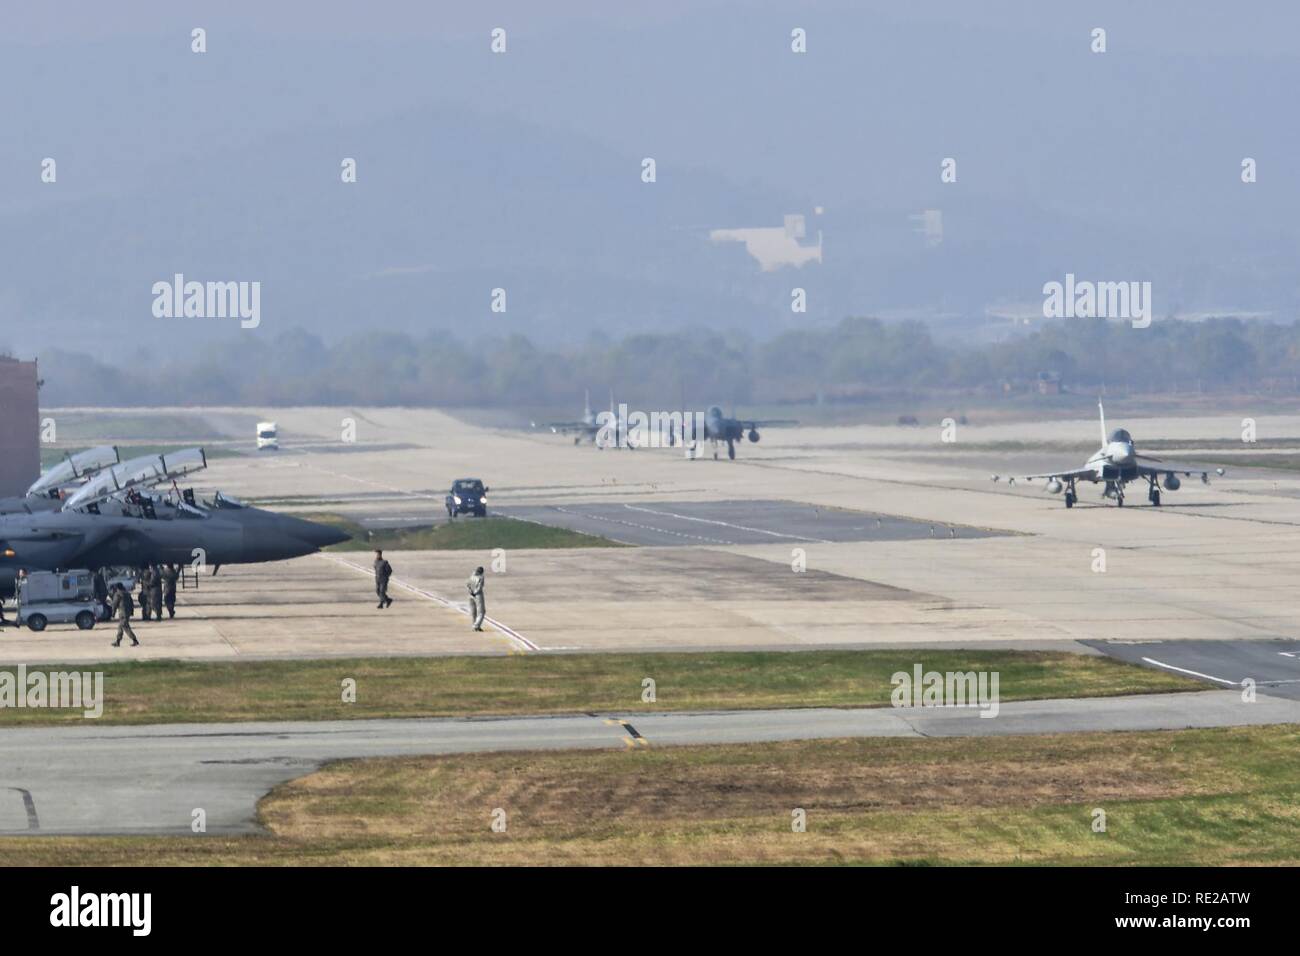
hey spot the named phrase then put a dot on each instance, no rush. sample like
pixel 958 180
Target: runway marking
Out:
pixel 642 527
pixel 33 821
pixel 505 629
pixel 634 738
pixel 728 524
pixel 1183 670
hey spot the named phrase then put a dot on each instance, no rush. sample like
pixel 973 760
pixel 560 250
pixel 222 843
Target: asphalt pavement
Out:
pixel 97 779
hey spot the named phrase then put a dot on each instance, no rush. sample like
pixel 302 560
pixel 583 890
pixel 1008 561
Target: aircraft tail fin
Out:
pixel 1101 412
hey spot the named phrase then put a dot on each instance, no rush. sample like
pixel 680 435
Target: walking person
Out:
pixel 123 607
pixel 383 571
pixel 478 602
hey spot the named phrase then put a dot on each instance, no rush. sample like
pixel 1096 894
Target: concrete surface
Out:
pixel 104 780
pixel 1218 563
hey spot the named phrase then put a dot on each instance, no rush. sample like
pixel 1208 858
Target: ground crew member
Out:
pixel 101 594
pixel 383 571
pixel 155 591
pixel 122 609
pixel 169 576
pixel 144 594
pixel 478 603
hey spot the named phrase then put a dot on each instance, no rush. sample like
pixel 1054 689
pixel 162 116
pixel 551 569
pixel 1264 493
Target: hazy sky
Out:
pixel 522 171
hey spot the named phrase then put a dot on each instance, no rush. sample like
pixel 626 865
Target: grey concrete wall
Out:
pixel 20 455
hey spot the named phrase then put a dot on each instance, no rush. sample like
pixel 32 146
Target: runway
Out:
pixel 735 522
pixel 151 780
pixel 1274 666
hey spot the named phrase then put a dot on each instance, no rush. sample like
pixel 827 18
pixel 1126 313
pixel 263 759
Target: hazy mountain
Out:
pixel 522 171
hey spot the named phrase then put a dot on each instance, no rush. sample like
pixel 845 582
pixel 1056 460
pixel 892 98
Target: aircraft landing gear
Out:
pixel 1069 499
pixel 1119 495
pixel 731 449
pixel 1153 493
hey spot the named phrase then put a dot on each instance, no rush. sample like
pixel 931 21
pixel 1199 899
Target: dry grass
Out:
pixel 1197 797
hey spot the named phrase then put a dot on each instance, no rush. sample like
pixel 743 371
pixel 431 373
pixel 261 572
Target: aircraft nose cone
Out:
pixel 278 537
pixel 316 534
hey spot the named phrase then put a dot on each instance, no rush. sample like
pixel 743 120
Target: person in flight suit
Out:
pixel 383 571
pixel 122 610
pixel 101 594
pixel 155 591
pixel 144 593
pixel 477 598
pixel 169 575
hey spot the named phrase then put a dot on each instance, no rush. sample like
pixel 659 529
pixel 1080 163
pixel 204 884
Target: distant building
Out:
pixel 776 246
pixel 20 426
pixel 1049 383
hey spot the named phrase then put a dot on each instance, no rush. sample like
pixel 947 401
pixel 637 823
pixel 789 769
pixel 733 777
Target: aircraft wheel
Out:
pixel 1069 500
pixel 1155 498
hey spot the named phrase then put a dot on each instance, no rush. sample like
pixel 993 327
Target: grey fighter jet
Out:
pixel 718 427
pixel 117 520
pixel 1115 464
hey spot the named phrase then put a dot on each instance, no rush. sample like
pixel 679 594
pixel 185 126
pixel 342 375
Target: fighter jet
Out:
pixel 1116 463
pixel 46 493
pixel 586 428
pixel 717 427
pixel 607 430
pixel 116 520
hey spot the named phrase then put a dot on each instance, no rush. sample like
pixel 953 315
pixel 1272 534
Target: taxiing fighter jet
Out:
pixel 586 428
pixel 717 427
pixel 1116 463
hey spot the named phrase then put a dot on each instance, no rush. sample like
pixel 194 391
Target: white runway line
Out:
pixel 728 524
pixel 1183 670
pixel 523 642
pixel 643 527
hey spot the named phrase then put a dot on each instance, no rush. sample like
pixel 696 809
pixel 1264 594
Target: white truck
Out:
pixel 267 437
pixel 58 597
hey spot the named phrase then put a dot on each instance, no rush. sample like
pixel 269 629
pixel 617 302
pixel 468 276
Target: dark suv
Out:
pixel 467 496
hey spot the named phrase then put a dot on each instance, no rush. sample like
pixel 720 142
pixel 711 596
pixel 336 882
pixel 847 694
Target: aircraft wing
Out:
pixel 1078 474
pixel 767 422
pixel 562 427
pixel 1185 470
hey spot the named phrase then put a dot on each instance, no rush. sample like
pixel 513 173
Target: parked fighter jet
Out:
pixel 46 493
pixel 116 520
pixel 1116 463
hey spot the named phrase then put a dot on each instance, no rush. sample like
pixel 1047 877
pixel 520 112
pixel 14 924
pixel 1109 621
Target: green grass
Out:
pixel 463 534
pixel 194 691
pixel 1171 798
